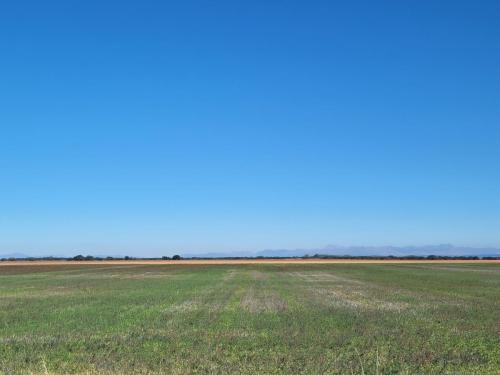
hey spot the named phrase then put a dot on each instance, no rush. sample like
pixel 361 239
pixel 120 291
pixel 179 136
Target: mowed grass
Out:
pixel 273 319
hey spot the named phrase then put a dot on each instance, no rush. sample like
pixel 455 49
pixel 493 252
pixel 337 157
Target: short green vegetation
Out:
pixel 272 319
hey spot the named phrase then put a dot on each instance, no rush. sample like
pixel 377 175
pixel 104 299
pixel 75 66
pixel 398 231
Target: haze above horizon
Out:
pixel 133 127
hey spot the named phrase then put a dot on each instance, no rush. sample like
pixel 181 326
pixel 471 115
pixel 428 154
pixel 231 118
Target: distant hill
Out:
pixel 399 251
pixel 14 255
pixel 333 250
pixel 239 254
pixel 442 250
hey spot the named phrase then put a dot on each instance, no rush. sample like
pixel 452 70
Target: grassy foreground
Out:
pixel 289 319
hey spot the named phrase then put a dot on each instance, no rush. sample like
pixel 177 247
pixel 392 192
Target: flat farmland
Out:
pixel 271 317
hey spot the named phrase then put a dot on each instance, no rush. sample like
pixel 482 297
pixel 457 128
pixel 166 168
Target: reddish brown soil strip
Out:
pixel 239 261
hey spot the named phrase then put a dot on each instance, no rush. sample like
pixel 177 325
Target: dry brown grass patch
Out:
pixel 268 301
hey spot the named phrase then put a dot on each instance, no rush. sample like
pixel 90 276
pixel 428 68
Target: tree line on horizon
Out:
pixel 80 257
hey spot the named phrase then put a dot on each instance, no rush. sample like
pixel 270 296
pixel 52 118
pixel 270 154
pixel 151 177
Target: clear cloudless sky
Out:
pixel 154 127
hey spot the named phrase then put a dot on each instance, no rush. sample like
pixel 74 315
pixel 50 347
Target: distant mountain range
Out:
pixel 14 255
pixel 442 250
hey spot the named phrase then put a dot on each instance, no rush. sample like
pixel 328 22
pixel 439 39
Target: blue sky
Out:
pixel 152 127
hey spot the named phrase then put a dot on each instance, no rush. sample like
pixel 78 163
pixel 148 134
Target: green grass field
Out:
pixel 273 319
